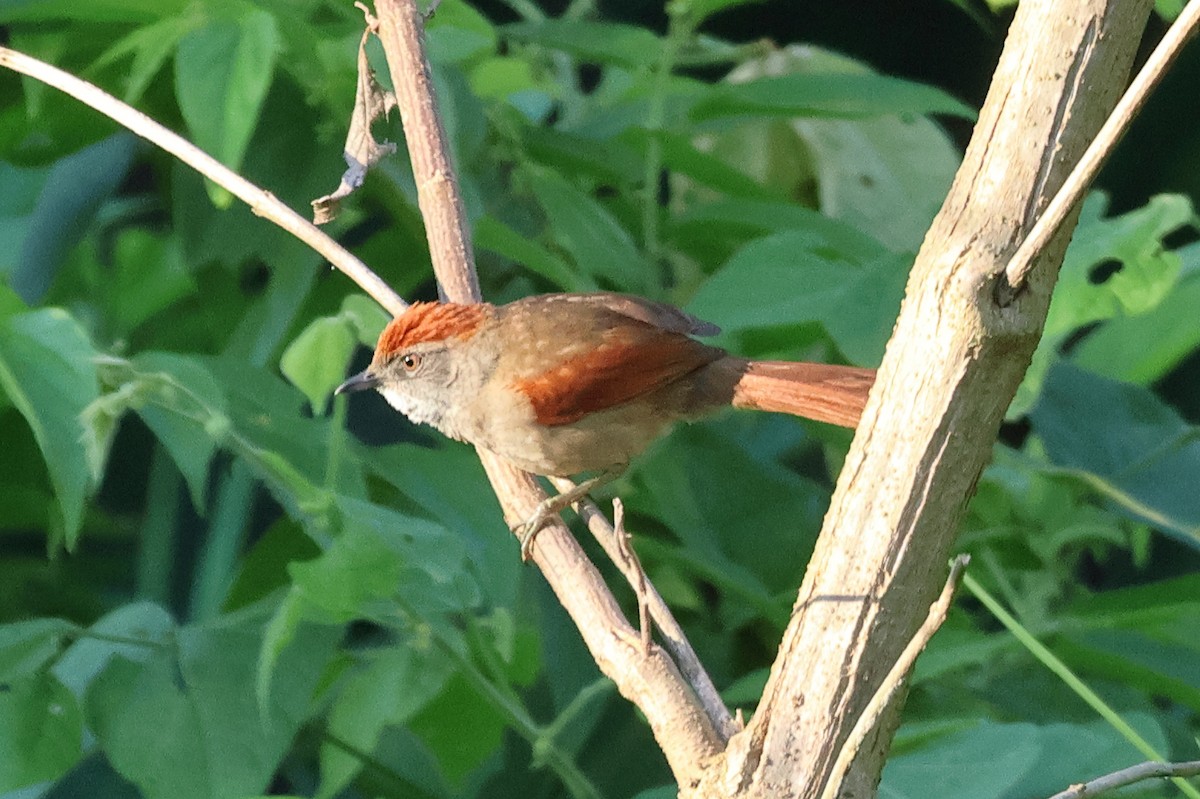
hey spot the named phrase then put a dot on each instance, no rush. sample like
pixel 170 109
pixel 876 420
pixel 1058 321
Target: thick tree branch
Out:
pixel 950 371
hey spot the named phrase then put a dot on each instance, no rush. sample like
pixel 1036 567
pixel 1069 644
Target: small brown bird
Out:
pixel 561 384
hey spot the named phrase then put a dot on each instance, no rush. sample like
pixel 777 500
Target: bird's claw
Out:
pixel 527 530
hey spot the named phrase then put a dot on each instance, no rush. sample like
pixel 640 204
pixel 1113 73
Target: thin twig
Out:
pixel 1098 151
pixel 1128 776
pixel 261 201
pixel 630 559
pixel 891 683
pixel 680 722
pixel 672 633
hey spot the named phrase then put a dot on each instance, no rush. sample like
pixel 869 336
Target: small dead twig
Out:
pixel 892 682
pixel 1128 776
pixel 362 151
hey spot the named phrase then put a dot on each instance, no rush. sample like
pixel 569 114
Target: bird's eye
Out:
pixel 410 361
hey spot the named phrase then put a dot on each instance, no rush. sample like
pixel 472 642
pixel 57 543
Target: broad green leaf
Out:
pixel 357 570
pixel 187 412
pixel 755 532
pixel 447 483
pixel 75 189
pixel 830 95
pixel 208 736
pixel 1146 274
pixel 133 632
pixel 801 277
pixel 388 688
pixel 17 204
pixel 41 731
pixel 996 759
pixel 376 555
pixel 1145 658
pixel 366 317
pixel 27 646
pixel 599 42
pixel 288 450
pixel 1125 443
pixel 1142 348
pixel 150 276
pixel 460 748
pixel 316 360
pixel 47 370
pixel 681 156
pixel 597 242
pixel 984 762
pixel 886 176
pixel 715 230
pixel 458 32
pixel 150 46
pixel 609 161
pixel 493 235
pixel 222 73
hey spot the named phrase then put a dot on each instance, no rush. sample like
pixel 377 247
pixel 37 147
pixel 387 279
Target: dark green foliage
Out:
pixel 218 581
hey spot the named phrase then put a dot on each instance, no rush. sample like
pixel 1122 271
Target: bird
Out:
pixel 573 383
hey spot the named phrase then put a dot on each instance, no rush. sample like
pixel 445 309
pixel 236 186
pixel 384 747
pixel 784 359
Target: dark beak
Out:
pixel 360 382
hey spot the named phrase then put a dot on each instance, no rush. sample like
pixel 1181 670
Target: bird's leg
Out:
pixel 557 504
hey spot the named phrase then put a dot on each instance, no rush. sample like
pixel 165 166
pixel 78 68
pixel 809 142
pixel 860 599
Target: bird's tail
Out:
pixel 824 392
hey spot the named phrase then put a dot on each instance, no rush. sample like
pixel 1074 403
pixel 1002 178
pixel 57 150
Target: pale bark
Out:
pixel 950 371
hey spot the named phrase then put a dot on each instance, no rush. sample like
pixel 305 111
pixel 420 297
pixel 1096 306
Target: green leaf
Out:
pixel 41 731
pixel 460 748
pixel 46 369
pixel 599 42
pixel 187 412
pixel 1125 443
pixel 133 632
pixel 585 229
pixel 1146 275
pixel 388 688
pixel 74 191
pixel 316 361
pixel 356 570
pixel 984 762
pixel 802 277
pixel 208 736
pixel 1143 347
pixel 845 96
pixel 222 73
pixel 151 46
pixel 27 646
pixel 993 760
pixel 365 317
pixel 681 156
pixel 885 176
pixel 494 236
pixel 458 32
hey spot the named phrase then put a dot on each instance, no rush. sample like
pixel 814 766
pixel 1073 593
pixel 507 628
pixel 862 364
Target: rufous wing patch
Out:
pixel 628 363
pixel 429 321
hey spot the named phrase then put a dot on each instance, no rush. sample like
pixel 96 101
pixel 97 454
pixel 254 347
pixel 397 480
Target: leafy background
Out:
pixel 217 581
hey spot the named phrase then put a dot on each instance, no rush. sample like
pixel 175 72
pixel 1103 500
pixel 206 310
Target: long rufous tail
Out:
pixel 824 392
